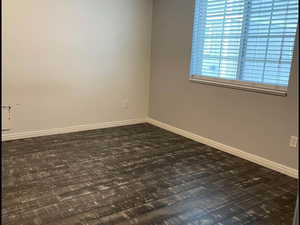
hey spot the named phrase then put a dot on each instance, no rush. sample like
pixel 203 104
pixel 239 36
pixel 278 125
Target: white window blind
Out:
pixel 244 42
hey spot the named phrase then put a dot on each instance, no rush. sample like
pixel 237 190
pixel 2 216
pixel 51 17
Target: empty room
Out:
pixel 149 112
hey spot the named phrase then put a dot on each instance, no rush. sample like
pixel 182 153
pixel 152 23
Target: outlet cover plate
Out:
pixel 293 141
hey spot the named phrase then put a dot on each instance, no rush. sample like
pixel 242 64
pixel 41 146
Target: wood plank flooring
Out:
pixel 137 174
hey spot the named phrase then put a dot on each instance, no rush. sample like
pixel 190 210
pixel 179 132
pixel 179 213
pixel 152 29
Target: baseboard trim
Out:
pixel 30 134
pixel 231 150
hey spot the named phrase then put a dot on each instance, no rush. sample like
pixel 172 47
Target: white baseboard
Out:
pixel 234 151
pixel 30 134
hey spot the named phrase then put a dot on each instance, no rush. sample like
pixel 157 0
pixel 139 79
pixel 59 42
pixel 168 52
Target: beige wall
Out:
pixel 73 62
pixel 256 123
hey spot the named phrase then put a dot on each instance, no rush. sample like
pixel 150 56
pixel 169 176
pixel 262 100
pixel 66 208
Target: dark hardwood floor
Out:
pixel 137 174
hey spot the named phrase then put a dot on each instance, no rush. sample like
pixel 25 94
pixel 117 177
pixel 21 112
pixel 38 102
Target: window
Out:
pixel 244 43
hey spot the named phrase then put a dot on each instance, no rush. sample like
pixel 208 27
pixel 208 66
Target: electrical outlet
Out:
pixel 293 142
pixel 6 118
pixel 125 104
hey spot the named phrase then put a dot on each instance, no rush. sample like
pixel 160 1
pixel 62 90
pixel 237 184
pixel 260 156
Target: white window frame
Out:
pixel 245 85
pixel 241 85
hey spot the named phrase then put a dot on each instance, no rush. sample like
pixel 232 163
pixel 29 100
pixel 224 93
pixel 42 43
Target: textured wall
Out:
pixel 256 123
pixel 75 62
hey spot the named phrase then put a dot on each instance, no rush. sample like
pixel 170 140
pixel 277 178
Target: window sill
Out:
pixel 239 86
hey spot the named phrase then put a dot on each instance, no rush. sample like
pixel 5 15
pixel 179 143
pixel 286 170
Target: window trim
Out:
pixel 241 85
